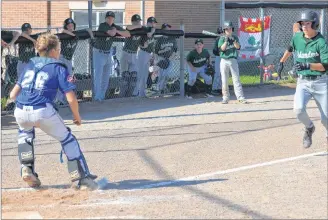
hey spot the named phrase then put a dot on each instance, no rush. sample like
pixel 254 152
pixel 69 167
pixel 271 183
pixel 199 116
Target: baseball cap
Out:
pixel 136 17
pixel 199 41
pixel 151 19
pixel 110 14
pixel 26 26
pixel 166 25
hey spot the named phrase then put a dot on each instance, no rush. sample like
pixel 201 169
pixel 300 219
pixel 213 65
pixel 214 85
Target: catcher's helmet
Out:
pixel 69 21
pixel 227 24
pixel 309 16
pixel 136 17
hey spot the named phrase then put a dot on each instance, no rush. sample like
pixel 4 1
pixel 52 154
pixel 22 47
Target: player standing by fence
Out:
pixel 102 55
pixel 25 50
pixel 165 48
pixel 144 55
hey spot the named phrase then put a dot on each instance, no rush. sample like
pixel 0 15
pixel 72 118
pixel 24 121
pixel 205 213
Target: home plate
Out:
pixel 21 215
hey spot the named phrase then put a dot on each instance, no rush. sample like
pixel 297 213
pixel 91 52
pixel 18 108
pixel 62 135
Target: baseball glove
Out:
pixel 210 70
pixel 163 64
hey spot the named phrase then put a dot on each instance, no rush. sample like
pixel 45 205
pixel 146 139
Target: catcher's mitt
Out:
pixel 210 70
pixel 163 64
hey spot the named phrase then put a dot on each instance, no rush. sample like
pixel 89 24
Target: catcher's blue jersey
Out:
pixel 41 80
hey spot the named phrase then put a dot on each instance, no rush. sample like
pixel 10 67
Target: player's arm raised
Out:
pixel 223 43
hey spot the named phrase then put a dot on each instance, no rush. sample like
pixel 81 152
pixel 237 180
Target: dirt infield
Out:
pixel 178 158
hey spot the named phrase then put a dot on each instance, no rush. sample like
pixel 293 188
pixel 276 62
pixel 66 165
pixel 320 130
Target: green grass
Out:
pixel 3 103
pixel 253 80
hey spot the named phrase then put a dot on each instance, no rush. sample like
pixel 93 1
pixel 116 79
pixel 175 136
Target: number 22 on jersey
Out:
pixel 40 80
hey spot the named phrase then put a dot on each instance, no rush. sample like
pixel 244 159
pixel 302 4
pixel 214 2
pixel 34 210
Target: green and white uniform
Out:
pixel 311 83
pixel 129 66
pixel 199 61
pixel 26 51
pixel 228 64
pixel 165 46
pixel 144 55
pixel 102 61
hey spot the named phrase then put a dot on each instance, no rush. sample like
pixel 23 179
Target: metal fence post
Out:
pixel 182 63
pixel 90 47
pixel 222 14
pixel 262 45
pixel 322 24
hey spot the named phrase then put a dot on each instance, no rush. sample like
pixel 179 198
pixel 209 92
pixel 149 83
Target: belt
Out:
pixel 144 49
pixel 104 51
pixel 130 51
pixel 35 107
pixel 311 77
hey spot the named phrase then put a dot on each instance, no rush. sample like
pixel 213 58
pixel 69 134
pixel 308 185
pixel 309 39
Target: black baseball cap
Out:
pixel 199 41
pixel 26 26
pixel 166 25
pixel 151 19
pixel 69 21
pixel 136 17
pixel 110 14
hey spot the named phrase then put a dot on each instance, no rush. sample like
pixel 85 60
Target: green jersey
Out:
pixel 105 43
pixel 198 59
pixel 150 42
pixel 68 48
pixel 231 51
pixel 26 51
pixel 314 50
pixel 131 44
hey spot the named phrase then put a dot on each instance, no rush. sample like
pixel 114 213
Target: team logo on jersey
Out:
pixel 309 54
pixel 200 60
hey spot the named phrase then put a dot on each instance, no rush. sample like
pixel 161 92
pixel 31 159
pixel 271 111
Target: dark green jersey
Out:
pixel 314 50
pixel 231 51
pixel 105 43
pixel 165 46
pixel 68 48
pixel 132 44
pixel 150 41
pixel 26 50
pixel 198 59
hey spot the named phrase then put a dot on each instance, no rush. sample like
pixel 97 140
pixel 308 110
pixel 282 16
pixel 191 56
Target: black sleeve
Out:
pixel 158 45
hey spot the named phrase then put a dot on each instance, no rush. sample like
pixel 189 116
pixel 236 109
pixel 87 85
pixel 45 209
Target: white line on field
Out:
pixel 233 170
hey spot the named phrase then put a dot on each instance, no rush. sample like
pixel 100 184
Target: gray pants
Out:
pixel 49 121
pixel 102 69
pixel 129 69
pixel 201 71
pixel 217 83
pixel 305 90
pixel 20 68
pixel 143 72
pixel 226 66
pixel 60 96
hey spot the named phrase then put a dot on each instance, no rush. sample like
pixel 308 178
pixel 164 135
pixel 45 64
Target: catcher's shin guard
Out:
pixel 76 163
pixel 26 148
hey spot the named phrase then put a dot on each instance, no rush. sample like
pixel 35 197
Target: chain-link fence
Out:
pixel 281 33
pixel 117 67
pixel 107 67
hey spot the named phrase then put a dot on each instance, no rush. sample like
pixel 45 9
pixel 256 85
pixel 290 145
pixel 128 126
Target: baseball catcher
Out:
pixel 34 95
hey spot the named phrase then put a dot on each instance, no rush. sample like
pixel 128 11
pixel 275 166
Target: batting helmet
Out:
pixel 136 17
pixel 309 16
pixel 69 21
pixel 26 26
pixel 227 24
